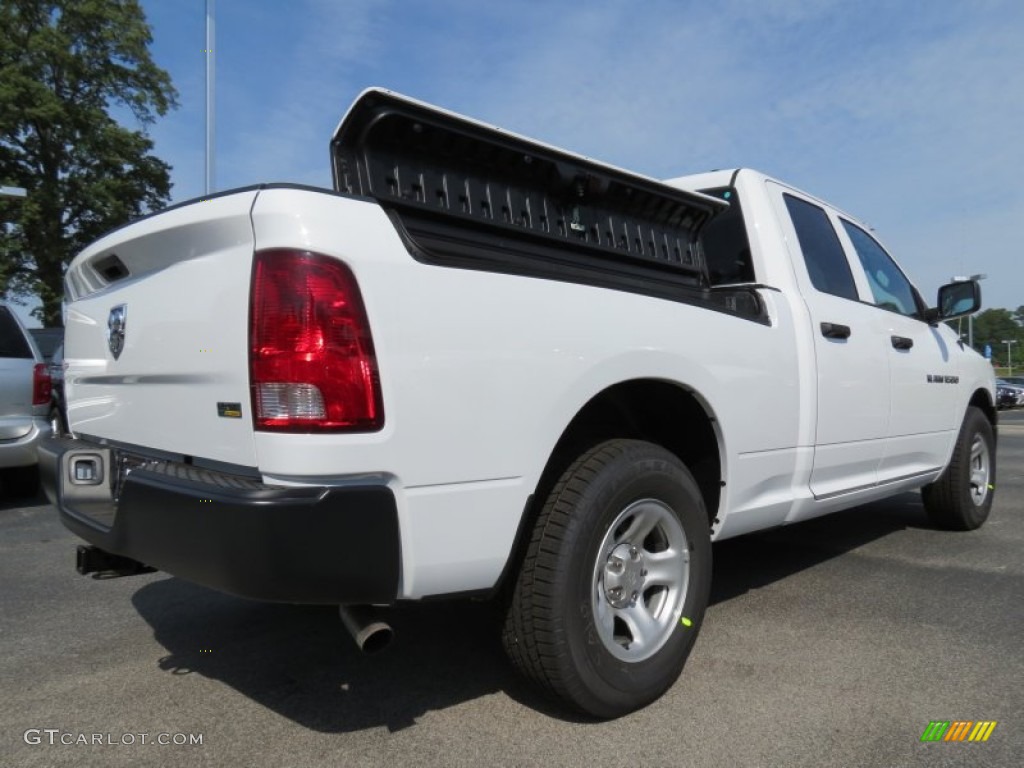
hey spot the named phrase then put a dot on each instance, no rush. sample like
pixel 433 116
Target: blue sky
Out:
pixel 909 115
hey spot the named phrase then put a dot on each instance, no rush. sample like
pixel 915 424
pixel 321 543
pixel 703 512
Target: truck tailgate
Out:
pixel 157 330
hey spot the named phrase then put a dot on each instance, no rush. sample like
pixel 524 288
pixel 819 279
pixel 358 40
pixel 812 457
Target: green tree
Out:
pixel 63 65
pixel 992 327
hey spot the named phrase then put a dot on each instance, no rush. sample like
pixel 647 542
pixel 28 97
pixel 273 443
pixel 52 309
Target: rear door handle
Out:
pixel 902 342
pixel 835 331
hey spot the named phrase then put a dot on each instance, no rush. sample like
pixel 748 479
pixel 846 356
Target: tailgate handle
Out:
pixel 902 342
pixel 835 331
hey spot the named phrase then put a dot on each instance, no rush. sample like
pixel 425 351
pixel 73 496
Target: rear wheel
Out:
pixel 613 588
pixel 961 499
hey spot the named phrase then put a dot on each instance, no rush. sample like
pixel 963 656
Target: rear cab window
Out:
pixel 725 244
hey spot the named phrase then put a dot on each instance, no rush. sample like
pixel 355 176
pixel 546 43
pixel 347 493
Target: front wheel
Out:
pixel 961 499
pixel 612 592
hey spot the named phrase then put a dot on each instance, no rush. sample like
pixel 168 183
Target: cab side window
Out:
pixel 889 286
pixel 823 253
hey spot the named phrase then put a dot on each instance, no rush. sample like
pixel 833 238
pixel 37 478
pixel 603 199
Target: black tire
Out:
pixel 961 499
pixel 21 482
pixel 561 627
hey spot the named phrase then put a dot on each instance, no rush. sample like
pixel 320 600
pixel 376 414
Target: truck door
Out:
pixel 853 369
pixel 923 373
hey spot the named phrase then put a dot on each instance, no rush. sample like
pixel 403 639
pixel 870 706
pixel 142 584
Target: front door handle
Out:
pixel 902 342
pixel 835 331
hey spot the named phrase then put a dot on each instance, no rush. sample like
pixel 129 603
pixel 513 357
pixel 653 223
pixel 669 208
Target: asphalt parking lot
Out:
pixel 830 643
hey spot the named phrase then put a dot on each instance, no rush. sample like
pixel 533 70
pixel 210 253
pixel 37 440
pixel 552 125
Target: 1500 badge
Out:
pixel 938 379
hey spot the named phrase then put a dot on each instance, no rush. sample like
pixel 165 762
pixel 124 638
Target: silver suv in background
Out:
pixel 25 406
pixel 59 413
pixel 50 343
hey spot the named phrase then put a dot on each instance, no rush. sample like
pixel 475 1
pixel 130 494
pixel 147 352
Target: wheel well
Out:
pixel 655 411
pixel 981 400
pixel 644 409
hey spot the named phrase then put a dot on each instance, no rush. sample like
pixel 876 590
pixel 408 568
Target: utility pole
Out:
pixel 209 97
pixel 1009 355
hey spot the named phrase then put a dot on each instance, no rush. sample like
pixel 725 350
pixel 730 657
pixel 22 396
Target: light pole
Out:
pixel 1009 355
pixel 970 318
pixel 210 149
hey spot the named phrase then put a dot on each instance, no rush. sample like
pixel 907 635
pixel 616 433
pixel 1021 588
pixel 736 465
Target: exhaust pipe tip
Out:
pixel 370 633
pixel 375 638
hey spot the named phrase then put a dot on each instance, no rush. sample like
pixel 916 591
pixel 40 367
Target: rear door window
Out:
pixel 826 261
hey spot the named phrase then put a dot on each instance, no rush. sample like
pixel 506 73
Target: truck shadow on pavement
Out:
pixel 12 501
pixel 298 661
pixel 760 559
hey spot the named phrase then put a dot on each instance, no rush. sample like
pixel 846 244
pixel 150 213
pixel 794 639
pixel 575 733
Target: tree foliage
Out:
pixel 993 327
pixel 64 64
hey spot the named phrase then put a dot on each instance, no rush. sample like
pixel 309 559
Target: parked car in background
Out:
pixel 50 342
pixel 1005 396
pixel 1017 384
pixel 47 340
pixel 58 417
pixel 1009 394
pixel 26 406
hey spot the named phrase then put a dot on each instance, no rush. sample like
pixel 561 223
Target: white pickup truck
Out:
pixel 485 366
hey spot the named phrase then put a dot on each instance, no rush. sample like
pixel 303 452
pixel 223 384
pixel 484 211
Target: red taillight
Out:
pixel 311 362
pixel 42 385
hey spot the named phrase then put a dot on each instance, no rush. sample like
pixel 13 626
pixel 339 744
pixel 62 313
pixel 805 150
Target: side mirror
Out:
pixel 956 300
